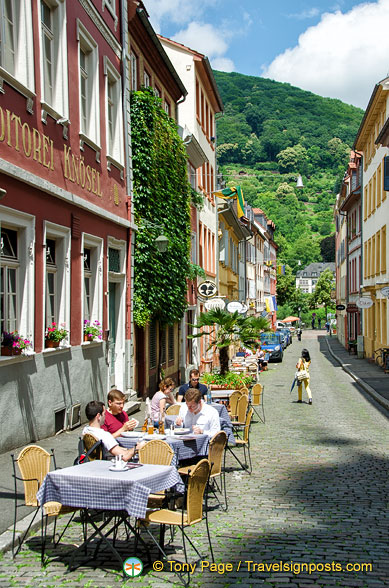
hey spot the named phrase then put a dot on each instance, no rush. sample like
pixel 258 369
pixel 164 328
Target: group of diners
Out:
pixel 107 424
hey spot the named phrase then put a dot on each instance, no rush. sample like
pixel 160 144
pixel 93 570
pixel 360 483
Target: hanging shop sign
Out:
pixel 352 308
pixel 214 304
pixel 207 289
pixel 340 307
pixel 385 291
pixel 234 306
pixel 364 302
pixel 244 309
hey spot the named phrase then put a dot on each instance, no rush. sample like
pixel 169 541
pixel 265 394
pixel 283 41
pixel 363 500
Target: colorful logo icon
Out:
pixel 133 567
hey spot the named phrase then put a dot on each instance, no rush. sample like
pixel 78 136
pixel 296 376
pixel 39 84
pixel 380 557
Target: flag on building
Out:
pixel 233 192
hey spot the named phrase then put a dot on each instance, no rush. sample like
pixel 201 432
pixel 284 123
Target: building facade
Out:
pixel 64 217
pixel 306 279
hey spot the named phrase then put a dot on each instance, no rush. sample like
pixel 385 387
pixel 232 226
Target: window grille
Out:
pixel 113 260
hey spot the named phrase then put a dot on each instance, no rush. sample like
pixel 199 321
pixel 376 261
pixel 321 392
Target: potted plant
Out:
pixel 228 381
pixel 13 343
pixel 92 331
pixel 55 334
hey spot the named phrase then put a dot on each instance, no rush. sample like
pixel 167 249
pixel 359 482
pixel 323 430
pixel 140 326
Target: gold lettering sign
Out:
pixel 34 144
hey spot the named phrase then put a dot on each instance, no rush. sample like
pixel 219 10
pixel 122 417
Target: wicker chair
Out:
pixel 257 400
pixel 245 443
pixel 173 409
pixel 34 464
pixel 194 513
pixel 93 447
pixel 241 411
pixel 156 452
pixel 216 457
pixel 244 390
pixel 233 402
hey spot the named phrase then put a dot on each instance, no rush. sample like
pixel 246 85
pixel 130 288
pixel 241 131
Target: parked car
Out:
pixel 286 335
pixel 272 344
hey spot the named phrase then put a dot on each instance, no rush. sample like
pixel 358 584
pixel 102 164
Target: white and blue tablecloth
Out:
pixel 183 447
pixel 92 485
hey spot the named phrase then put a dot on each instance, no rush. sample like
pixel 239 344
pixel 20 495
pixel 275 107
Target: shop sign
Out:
pixel 364 302
pixel 340 307
pixel 235 306
pixel 385 291
pixel 207 289
pixel 214 304
pixel 352 308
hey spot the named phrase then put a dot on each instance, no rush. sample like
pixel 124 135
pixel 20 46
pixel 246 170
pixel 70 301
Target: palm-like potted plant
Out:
pixel 13 344
pixel 92 331
pixel 230 328
pixel 55 334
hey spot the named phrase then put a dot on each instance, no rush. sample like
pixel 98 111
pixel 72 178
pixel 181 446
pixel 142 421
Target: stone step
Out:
pixel 132 406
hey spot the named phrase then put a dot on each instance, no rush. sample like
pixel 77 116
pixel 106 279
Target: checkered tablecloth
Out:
pixel 93 485
pixel 197 445
pixel 225 422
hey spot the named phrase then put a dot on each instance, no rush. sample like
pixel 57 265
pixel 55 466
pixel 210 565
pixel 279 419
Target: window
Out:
pixel 171 343
pixel 92 278
pixel 113 112
pixel 54 56
pixel 16 272
pixel 153 345
pixel 146 79
pixel 157 92
pixel 89 95
pixel 57 270
pixel 16 43
pixel 134 71
pixel 166 107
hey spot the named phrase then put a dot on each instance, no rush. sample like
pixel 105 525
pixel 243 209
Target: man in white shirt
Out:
pixel 198 416
pixel 95 413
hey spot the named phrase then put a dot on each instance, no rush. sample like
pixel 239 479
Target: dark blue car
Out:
pixel 272 344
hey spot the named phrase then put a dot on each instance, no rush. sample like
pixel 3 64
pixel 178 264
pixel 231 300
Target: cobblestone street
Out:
pixel 317 494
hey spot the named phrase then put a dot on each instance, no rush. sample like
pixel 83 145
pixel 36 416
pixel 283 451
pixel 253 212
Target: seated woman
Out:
pixel 261 359
pixel 161 398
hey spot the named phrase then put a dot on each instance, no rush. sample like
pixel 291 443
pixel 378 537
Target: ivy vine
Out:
pixel 162 196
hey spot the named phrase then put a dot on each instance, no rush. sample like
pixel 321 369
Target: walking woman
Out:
pixel 303 366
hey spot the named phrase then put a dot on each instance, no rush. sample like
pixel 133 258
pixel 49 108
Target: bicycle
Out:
pixel 381 357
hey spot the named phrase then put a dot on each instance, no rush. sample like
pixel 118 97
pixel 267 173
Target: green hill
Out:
pixel 271 132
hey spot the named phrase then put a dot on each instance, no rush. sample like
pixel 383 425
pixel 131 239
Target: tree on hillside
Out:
pixel 286 285
pixel 327 248
pixel 292 159
pixel 322 292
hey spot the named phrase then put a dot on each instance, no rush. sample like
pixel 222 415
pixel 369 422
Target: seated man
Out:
pixel 95 413
pixel 116 419
pixel 194 382
pixel 198 416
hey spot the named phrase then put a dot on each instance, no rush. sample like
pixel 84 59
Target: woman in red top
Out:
pixel 116 419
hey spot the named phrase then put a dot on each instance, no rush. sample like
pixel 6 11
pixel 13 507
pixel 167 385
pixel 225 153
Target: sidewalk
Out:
pixel 367 375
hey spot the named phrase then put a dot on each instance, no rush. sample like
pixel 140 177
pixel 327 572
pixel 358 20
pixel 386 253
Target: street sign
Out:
pixel 385 291
pixel 234 306
pixel 207 289
pixel 340 307
pixel 215 303
pixel 364 302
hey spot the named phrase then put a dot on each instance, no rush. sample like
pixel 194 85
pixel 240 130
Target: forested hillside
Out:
pixel 270 133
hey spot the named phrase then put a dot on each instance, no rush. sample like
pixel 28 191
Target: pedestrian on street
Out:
pixel 303 366
pixel 319 322
pixel 327 326
pixel 313 323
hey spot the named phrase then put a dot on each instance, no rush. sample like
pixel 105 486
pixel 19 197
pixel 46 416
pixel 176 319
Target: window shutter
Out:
pixel 386 174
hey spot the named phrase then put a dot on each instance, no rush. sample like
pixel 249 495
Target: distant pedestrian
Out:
pixel 313 323
pixel 319 322
pixel 327 326
pixel 303 366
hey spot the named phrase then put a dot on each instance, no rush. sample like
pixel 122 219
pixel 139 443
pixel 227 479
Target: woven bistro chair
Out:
pixel 241 411
pixel 192 512
pixel 173 409
pixel 245 443
pixel 156 452
pixel 34 464
pixel 233 402
pixel 93 447
pixel 257 400
pixel 216 457
pixel 244 390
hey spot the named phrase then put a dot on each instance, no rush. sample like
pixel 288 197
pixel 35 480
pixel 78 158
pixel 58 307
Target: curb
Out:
pixel 377 397
pixel 21 526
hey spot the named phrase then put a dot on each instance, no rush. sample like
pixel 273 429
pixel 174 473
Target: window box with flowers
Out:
pixel 54 335
pixel 13 343
pixel 92 331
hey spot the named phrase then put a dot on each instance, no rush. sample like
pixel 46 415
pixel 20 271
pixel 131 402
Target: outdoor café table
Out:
pixel 94 486
pixel 225 394
pixel 224 417
pixel 184 446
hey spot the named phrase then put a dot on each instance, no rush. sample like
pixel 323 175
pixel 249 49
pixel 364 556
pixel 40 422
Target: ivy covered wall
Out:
pixel 162 196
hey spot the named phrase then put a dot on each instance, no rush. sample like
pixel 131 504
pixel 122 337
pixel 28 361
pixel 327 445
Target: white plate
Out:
pixel 138 434
pixel 154 436
pixel 131 419
pixel 180 431
pixel 114 469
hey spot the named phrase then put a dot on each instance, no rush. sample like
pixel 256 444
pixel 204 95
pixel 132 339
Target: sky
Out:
pixel 334 48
